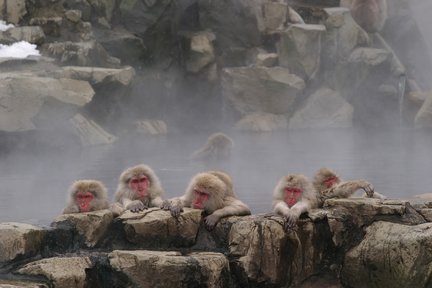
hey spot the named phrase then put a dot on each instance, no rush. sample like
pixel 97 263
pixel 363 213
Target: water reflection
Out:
pixel 397 163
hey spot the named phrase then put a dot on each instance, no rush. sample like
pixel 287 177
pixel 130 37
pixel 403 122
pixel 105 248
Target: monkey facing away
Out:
pixel 212 192
pixel 329 185
pixel 86 196
pixel 369 14
pixel 292 196
pixel 217 147
pixel 139 188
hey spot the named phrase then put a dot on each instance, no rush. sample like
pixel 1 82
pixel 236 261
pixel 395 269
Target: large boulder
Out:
pixel 13 11
pixel 172 269
pixel 91 227
pixel 22 103
pixel 62 272
pixel 324 109
pixel 299 49
pixel 157 228
pixel 390 255
pixel 98 76
pixel 19 240
pixel 261 89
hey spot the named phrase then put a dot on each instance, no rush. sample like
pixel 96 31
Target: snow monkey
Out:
pixel 217 147
pixel 139 188
pixel 369 14
pixel 292 196
pixel 330 185
pixel 211 191
pixel 86 196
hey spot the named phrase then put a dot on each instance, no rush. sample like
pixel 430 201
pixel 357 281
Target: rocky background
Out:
pixel 110 67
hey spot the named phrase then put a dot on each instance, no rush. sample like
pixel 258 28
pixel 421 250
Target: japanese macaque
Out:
pixel 369 14
pixel 330 185
pixel 292 196
pixel 217 147
pixel 86 196
pixel 212 192
pixel 139 188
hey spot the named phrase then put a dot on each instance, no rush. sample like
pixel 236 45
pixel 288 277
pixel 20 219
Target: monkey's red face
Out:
pixel 84 199
pixel 292 195
pixel 330 181
pixel 139 185
pixel 199 199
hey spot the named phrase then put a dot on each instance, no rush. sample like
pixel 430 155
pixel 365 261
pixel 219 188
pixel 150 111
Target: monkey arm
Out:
pixel 234 207
pixel 348 188
pixel 178 203
pixel 280 207
pixel 156 202
pixel 100 204
pixel 71 208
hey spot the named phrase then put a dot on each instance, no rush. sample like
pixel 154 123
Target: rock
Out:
pixel 60 271
pixel 390 255
pixel 122 44
pixel 267 59
pixel 265 254
pixel 89 132
pixel 200 52
pixel 21 284
pixel 97 76
pixel 157 228
pixel 262 122
pixel 19 240
pixel 13 11
pixel 261 89
pixel 139 16
pixel 151 127
pixel 235 23
pixel 22 102
pixel 299 49
pixel 324 109
pixel 88 53
pixel 342 36
pixel 172 269
pixel 91 226
pixel 31 34
pixel 423 119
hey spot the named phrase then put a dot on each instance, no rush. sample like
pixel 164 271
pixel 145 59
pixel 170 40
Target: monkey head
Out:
pixel 325 178
pixel 208 192
pixel 138 179
pixel 84 192
pixel 293 188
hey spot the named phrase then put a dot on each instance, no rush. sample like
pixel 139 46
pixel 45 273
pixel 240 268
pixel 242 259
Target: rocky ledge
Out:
pixel 347 243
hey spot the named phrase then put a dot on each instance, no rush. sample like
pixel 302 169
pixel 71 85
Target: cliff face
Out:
pixel 349 243
pixel 266 65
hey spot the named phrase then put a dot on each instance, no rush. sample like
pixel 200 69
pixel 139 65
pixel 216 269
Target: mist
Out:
pixel 35 176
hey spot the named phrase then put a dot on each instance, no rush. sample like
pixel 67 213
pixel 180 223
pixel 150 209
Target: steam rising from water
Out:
pixel 398 165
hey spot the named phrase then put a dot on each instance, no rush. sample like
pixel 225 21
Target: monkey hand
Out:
pixel 176 210
pixel 166 205
pixel 71 209
pixel 369 189
pixel 211 221
pixel 291 219
pixel 136 206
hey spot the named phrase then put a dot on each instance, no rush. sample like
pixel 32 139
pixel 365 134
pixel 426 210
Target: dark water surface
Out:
pixel 398 163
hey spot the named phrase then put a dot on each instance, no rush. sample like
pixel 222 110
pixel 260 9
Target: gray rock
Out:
pixel 22 102
pixel 324 109
pixel 390 255
pixel 63 272
pixel 19 240
pixel 262 122
pixel 91 226
pixel 299 49
pixel 172 269
pixel 13 11
pixel 261 89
